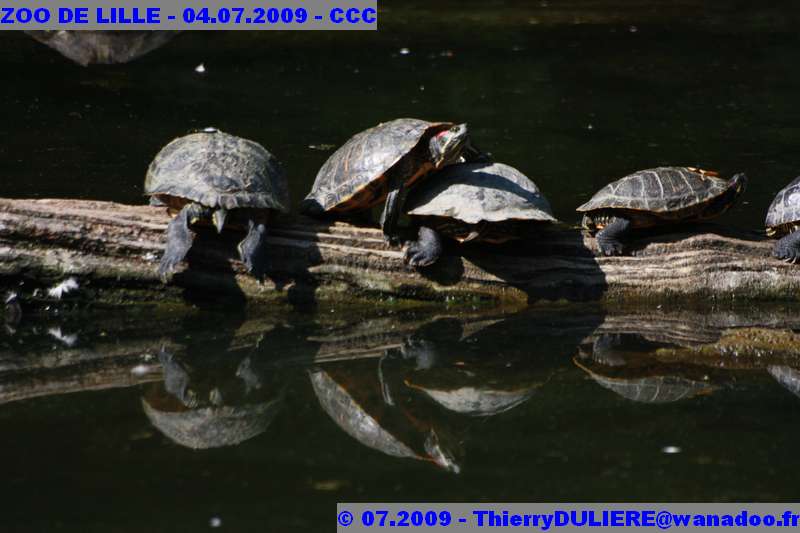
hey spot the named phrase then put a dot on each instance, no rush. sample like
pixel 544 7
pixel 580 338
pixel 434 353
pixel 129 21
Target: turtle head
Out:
pixel 738 183
pixel 447 146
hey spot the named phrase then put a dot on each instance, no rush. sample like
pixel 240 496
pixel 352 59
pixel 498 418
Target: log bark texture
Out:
pixel 113 246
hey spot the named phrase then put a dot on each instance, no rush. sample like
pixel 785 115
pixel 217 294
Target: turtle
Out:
pixel 783 221
pixel 655 197
pixel 201 177
pixel 382 163
pixel 478 201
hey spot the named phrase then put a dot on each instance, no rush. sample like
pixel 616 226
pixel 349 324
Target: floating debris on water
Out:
pixel 62 289
pixel 322 147
pixel 68 340
pixel 13 311
pixel 200 69
pixel 215 521
pixel 671 450
pixel 404 51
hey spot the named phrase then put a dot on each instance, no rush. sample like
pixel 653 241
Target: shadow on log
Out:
pixel 113 246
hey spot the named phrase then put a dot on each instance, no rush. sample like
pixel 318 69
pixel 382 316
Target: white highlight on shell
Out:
pixel 63 288
pixel 200 69
pixel 10 297
pixel 215 521
pixel 670 450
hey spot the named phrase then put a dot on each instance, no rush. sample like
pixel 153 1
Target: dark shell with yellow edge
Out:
pixel 354 177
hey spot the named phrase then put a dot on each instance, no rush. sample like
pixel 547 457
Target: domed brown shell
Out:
pixel 217 169
pixel 785 208
pixel 353 177
pixel 659 190
pixel 476 192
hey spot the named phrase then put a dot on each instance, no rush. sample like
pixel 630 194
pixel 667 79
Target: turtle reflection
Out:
pixel 216 391
pixel 369 406
pixel 623 363
pixel 213 405
pixel 787 376
pixel 470 383
pixel 88 47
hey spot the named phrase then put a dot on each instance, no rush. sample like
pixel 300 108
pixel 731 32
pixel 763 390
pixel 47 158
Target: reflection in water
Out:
pixel 211 405
pixel 470 383
pixel 87 47
pixel 353 395
pixel 623 364
pixel 787 376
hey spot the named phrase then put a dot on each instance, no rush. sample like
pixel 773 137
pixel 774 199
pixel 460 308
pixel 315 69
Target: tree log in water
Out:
pixel 112 246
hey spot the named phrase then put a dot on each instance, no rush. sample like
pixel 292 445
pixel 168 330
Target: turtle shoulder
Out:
pixel 785 208
pixel 475 192
pixel 366 157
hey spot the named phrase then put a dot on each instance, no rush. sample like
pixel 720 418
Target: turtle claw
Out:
pixel 610 249
pixel 425 251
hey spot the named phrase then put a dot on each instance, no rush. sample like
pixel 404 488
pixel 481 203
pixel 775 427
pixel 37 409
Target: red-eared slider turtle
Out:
pixel 655 197
pixel 783 221
pixel 380 164
pixel 202 176
pixel 489 202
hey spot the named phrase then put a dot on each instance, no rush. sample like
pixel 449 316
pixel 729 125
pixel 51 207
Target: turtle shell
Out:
pixel 353 177
pixel 655 388
pixel 787 376
pixel 477 192
pixel 213 427
pixel 217 169
pixel 785 208
pixel 658 190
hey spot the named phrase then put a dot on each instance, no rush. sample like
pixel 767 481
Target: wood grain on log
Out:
pixel 118 246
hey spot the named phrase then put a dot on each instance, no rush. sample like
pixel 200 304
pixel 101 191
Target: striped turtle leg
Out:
pixel 392 210
pixel 788 248
pixel 253 248
pixel 425 250
pixel 609 239
pixel 179 238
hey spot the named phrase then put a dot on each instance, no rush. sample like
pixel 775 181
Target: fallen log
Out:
pixel 112 247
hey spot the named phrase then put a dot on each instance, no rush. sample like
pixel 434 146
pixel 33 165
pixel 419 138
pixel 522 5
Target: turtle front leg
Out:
pixel 609 239
pixel 391 212
pixel 253 249
pixel 426 250
pixel 788 248
pixel 179 239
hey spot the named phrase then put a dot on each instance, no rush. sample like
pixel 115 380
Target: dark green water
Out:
pixel 574 95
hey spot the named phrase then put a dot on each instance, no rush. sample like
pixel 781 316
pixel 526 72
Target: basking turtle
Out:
pixel 203 176
pixel 489 202
pixel 655 197
pixel 783 221
pixel 381 163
